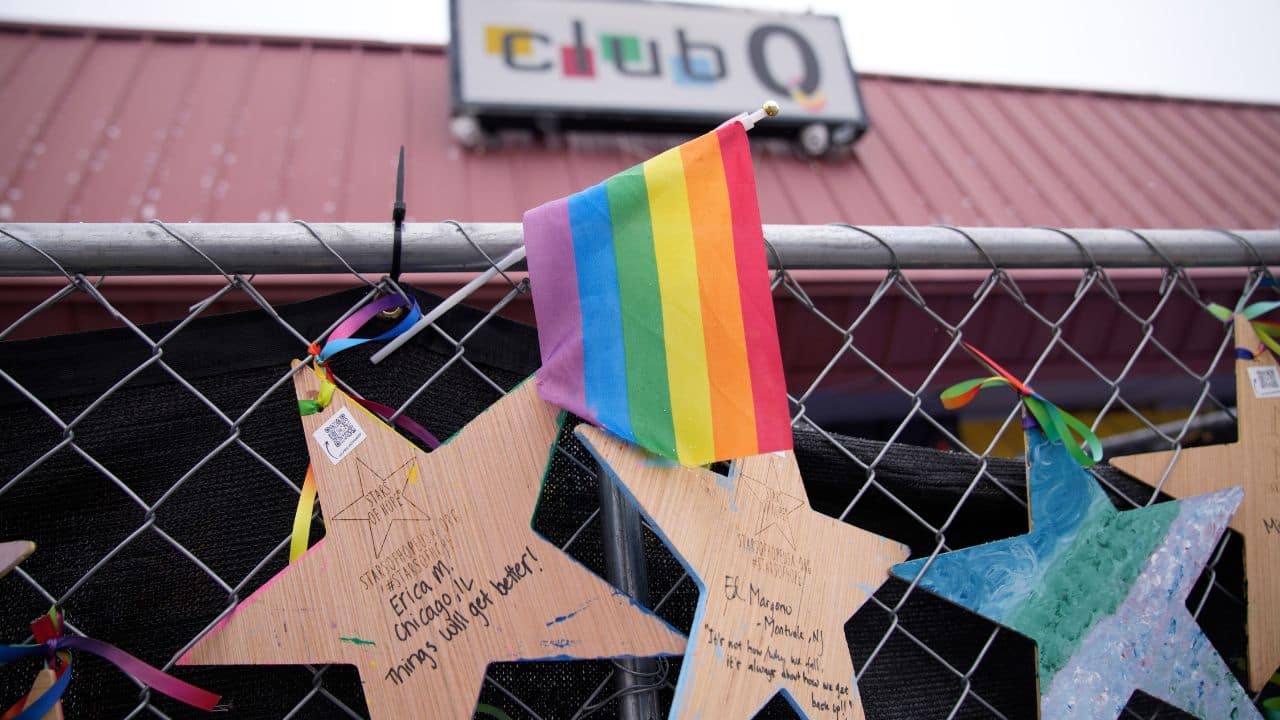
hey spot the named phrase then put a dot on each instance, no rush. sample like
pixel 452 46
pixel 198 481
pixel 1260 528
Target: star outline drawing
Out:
pixel 772 511
pixel 400 497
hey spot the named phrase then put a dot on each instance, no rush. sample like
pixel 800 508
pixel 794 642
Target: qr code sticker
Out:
pixel 339 435
pixel 1265 381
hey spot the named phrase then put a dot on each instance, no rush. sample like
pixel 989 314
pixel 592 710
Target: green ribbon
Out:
pixel 1268 332
pixel 495 712
pixel 1056 424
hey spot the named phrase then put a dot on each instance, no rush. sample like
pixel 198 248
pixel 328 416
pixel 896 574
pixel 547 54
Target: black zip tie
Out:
pixel 397 217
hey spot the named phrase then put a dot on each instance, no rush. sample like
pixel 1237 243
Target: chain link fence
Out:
pixel 1111 325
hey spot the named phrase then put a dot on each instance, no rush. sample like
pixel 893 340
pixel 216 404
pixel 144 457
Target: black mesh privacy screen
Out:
pixel 135 588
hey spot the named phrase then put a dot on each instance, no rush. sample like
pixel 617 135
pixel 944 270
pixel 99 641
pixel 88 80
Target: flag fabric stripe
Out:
pixel 681 307
pixel 560 378
pixel 642 326
pixel 655 316
pixel 773 423
pixel 732 406
pixel 603 354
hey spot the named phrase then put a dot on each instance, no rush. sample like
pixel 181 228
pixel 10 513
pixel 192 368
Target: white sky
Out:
pixel 1221 49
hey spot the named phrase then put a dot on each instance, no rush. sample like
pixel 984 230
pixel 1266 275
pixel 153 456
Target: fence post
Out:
pixel 623 542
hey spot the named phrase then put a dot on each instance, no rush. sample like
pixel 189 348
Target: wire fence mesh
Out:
pixel 1135 352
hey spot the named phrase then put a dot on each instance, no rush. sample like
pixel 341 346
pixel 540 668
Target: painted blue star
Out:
pixel 1102 592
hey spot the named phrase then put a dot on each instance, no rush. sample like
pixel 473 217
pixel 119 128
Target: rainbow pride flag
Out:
pixel 655 316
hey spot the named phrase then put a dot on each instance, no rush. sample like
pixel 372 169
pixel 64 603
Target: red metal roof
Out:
pixel 119 126
pixel 99 126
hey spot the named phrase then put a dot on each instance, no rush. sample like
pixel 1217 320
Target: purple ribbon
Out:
pixel 144 673
pixel 340 339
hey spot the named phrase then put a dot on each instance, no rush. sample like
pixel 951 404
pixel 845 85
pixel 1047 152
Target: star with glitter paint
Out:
pixel 1253 462
pixel 1101 592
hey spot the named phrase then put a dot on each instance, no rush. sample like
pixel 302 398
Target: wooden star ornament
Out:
pixel 1102 593
pixel 778 580
pixel 12 554
pixel 1253 462
pixel 429 569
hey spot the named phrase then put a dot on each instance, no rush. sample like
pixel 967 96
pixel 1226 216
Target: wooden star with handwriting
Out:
pixel 778 580
pixel 776 509
pixel 1253 462
pixel 461 582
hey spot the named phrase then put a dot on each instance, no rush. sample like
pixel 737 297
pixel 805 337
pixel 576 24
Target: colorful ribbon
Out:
pixel 53 644
pixel 1268 332
pixel 302 517
pixel 328 384
pixel 42 705
pixel 1056 424
pixel 323 398
pixel 341 339
pixel 45 628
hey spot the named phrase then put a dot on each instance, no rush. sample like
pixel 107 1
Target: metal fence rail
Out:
pixel 81 253
pixel 264 248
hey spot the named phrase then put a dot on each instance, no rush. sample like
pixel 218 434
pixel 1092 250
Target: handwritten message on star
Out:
pixel 777 647
pixel 433 613
pixel 430 570
pixel 778 581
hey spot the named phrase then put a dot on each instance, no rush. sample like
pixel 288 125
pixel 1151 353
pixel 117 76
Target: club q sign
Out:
pixel 650 62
